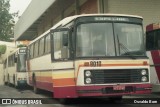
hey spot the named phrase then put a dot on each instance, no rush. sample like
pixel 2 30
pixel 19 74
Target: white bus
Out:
pixel 91 55
pixel 15 68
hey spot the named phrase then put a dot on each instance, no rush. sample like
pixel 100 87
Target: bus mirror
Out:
pixel 2 49
pixel 65 39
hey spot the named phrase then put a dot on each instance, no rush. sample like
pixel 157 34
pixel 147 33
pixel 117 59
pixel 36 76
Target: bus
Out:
pixel 153 52
pixel 15 68
pixel 91 55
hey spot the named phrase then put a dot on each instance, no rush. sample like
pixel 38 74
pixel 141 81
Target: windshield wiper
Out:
pixel 125 49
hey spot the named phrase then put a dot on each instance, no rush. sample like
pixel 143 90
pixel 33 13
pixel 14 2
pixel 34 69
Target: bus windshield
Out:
pixel 21 63
pixel 130 39
pixel 100 39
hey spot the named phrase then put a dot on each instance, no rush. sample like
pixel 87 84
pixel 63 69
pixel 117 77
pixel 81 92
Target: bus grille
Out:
pixel 116 76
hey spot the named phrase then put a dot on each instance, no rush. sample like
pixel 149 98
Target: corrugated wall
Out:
pixel 148 9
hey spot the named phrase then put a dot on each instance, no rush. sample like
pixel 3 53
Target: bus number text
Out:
pixel 95 63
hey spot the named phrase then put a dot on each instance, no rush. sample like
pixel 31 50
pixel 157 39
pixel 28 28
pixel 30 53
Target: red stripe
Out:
pixel 156 60
pixel 45 85
pixel 96 90
pixel 65 92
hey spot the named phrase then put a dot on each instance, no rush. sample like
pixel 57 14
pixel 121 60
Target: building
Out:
pixel 42 14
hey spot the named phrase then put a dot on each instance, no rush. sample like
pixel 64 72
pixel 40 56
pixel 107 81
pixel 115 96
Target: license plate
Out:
pixel 119 87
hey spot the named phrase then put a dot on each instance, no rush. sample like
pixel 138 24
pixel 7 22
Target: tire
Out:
pixel 8 80
pixel 64 100
pixel 14 81
pixel 4 83
pixel 35 89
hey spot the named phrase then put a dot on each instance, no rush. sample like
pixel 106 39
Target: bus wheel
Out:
pixel 8 81
pixel 14 81
pixel 4 81
pixel 35 89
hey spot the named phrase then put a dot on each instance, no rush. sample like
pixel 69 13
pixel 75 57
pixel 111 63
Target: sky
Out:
pixel 18 5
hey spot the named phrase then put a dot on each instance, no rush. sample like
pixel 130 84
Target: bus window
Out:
pixel 36 47
pixel 21 63
pixel 130 38
pixel 47 44
pixel 93 40
pixel 150 41
pixel 41 47
pixel 61 46
pixel 31 51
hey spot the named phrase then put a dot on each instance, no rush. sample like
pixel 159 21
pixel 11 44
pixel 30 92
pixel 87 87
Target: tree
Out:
pixel 6 21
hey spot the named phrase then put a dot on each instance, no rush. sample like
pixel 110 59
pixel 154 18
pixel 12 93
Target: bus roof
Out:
pixel 152 27
pixel 71 18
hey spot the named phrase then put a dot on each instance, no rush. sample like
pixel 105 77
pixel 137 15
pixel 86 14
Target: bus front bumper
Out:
pixel 114 90
pixel 22 83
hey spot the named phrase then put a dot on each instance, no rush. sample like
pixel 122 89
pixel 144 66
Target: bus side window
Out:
pixel 60 45
pixel 41 46
pixel 31 51
pixel 47 44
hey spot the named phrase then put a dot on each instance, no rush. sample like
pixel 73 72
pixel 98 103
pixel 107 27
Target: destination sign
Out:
pixel 123 19
pixel 22 51
pixel 111 19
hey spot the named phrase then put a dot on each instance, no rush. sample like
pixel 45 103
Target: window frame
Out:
pixel 52 43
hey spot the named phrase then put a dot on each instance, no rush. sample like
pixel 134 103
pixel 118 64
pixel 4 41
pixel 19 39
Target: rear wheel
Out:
pixel 8 80
pixel 4 82
pixel 35 89
pixel 14 81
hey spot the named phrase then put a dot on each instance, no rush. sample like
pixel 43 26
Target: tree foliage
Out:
pixel 6 21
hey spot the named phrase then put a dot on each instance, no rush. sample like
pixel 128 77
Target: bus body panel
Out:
pixel 51 75
pixel 153 52
pixel 154 71
pixel 100 88
pixel 21 78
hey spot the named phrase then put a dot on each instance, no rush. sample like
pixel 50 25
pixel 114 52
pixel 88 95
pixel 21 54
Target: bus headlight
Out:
pixel 88 73
pixel 88 80
pixel 144 79
pixel 143 72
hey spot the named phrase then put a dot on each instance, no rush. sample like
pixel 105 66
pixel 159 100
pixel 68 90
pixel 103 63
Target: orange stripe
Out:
pixel 123 65
pixel 49 79
pixel 63 82
pixel 44 79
